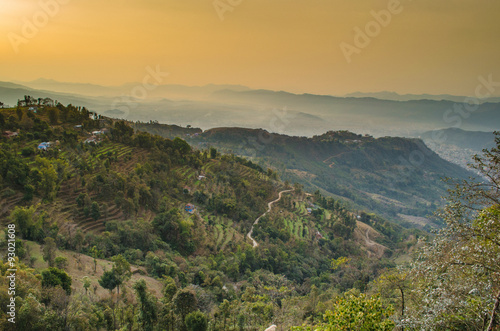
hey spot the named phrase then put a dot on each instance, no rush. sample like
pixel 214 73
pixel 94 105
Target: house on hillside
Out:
pixel 10 134
pixel 33 109
pixel 44 146
pixel 189 208
pixel 92 140
pixel 100 132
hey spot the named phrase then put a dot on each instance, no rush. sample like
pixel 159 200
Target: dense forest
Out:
pixel 114 228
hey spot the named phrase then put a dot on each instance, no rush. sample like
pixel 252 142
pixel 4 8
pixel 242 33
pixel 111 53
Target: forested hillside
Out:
pixel 115 228
pixel 392 176
pixel 73 181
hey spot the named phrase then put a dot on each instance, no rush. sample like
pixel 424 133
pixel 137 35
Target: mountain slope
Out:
pixel 388 175
pixel 475 140
pixel 180 215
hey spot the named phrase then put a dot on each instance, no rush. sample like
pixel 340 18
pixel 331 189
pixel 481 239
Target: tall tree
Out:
pixel 94 211
pixel 121 268
pixel 49 251
pixel 184 303
pixel 109 280
pixel 148 311
pixel 95 253
pixel 196 321
pixel 54 277
pixel 458 273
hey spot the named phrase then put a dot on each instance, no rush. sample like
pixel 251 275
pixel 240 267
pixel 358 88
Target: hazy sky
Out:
pixel 429 46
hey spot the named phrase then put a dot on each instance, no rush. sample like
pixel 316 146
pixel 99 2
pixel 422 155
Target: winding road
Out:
pixel 269 205
pixel 368 241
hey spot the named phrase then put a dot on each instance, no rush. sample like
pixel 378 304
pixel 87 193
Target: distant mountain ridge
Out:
pixel 159 90
pixel 386 95
pixel 214 106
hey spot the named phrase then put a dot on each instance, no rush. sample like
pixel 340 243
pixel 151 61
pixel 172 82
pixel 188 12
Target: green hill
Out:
pixel 387 175
pixel 71 180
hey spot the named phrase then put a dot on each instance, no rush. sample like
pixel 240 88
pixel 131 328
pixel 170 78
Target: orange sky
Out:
pixel 429 46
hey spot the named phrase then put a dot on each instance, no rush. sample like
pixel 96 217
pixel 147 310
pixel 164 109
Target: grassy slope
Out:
pixel 80 265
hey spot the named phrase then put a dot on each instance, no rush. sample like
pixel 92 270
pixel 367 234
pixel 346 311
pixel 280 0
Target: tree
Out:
pixel 30 314
pixel 49 251
pixel 122 132
pixel 169 289
pixel 29 191
pixel 53 277
pixel 109 280
pixel 357 312
pixel 148 313
pixel 86 283
pixel 196 321
pixel 181 145
pixel 95 253
pixel 213 153
pixel 394 283
pixel 457 275
pixel 23 217
pixel 49 179
pixel 19 113
pixel 61 262
pixel 53 115
pixel 121 268
pixel 94 211
pixel 184 303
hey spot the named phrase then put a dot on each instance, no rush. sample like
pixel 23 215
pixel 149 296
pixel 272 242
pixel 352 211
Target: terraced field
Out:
pixel 222 231
pixel 301 208
pixel 297 227
pixel 8 200
pixel 65 206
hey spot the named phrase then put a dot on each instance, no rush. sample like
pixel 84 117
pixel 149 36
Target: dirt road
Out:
pixel 269 207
